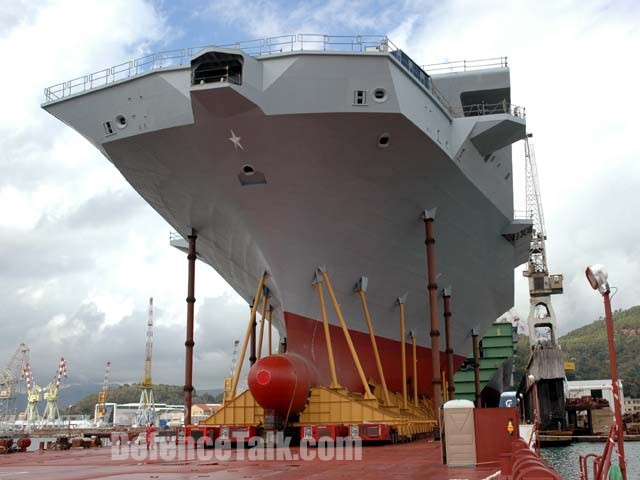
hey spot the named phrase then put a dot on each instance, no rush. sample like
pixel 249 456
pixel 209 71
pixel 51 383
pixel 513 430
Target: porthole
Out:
pixel 383 140
pixel 121 121
pixel 248 170
pixel 380 95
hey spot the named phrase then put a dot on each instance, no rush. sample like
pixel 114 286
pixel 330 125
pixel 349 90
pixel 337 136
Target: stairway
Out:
pixel 496 347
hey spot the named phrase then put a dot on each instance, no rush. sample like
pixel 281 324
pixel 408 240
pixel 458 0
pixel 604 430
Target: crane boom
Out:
pixel 226 396
pixel 147 382
pixel 102 395
pixel 10 377
pixel 541 284
pixel 146 413
pixel 51 415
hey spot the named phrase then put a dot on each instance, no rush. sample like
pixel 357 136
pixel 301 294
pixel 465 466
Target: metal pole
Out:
pixel 451 388
pixel 403 353
pixel 189 343
pixel 415 369
pixel 429 217
pixel 263 318
pixel 347 336
pixel 250 327
pixel 476 366
pixel 327 334
pixel 270 328
pixel 613 362
pixel 374 346
pixel 252 349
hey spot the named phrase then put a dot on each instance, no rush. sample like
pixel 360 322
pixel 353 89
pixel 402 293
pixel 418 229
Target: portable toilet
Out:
pixel 459 433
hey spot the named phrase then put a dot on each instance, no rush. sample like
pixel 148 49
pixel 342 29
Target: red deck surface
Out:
pixel 414 460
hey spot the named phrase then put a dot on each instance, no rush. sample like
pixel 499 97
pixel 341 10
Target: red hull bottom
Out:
pixel 305 336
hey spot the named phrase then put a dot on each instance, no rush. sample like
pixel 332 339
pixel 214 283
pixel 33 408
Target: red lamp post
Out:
pixel 597 276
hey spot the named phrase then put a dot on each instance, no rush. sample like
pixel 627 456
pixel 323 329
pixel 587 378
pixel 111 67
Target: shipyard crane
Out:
pixel 102 395
pixel 146 413
pixel 229 380
pixel 10 377
pixel 51 415
pixel 31 414
pixel 541 284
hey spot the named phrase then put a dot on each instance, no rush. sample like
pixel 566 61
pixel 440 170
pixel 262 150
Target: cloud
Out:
pixel 80 251
pixel 268 18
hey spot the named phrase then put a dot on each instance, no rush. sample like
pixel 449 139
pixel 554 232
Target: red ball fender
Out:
pixel 282 383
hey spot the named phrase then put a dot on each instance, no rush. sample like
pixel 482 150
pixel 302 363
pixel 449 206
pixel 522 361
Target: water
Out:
pixel 565 459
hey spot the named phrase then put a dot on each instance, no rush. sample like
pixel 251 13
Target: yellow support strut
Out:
pixel 243 352
pixel 270 328
pixel 367 391
pixel 403 353
pixel 327 335
pixel 263 316
pixel 415 369
pixel 374 345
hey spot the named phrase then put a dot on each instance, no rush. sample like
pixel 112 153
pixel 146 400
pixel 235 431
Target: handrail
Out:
pixel 481 109
pixel 465 65
pixel 291 43
pixel 257 48
pixel 601 463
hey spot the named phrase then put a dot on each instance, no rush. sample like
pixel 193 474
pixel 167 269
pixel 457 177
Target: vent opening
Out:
pixel 121 121
pixel 380 95
pixel 383 140
pixel 108 128
pixel 248 170
pixel 359 97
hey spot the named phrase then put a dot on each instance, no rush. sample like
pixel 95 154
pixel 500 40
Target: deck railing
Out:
pixel 465 65
pixel 257 48
pixel 291 43
pixel 480 109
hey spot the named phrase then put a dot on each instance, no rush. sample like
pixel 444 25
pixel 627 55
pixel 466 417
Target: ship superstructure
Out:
pixel 291 153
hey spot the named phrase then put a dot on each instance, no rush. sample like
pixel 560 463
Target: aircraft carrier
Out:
pixel 304 151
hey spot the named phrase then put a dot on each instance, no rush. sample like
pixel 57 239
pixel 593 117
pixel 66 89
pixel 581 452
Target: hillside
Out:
pixel 587 347
pixel 169 394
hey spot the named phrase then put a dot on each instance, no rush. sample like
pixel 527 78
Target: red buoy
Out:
pixel 281 383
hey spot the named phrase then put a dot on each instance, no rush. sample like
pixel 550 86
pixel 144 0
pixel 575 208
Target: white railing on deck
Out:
pixel 480 109
pixel 293 43
pixel 257 48
pixel 466 65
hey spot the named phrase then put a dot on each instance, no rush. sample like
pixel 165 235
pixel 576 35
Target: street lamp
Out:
pixel 597 277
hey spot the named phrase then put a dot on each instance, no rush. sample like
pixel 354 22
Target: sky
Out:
pixel 81 252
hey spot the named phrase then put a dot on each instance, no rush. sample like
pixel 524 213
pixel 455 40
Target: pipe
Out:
pixel 250 327
pixel 451 388
pixel 367 391
pixel 327 334
pixel 374 346
pixel 415 369
pixel 445 384
pixel 270 328
pixel 189 343
pixel 252 348
pixel 476 366
pixel 613 363
pixel 265 299
pixel 429 217
pixel 403 353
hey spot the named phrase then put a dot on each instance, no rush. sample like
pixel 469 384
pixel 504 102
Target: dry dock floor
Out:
pixel 419 459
